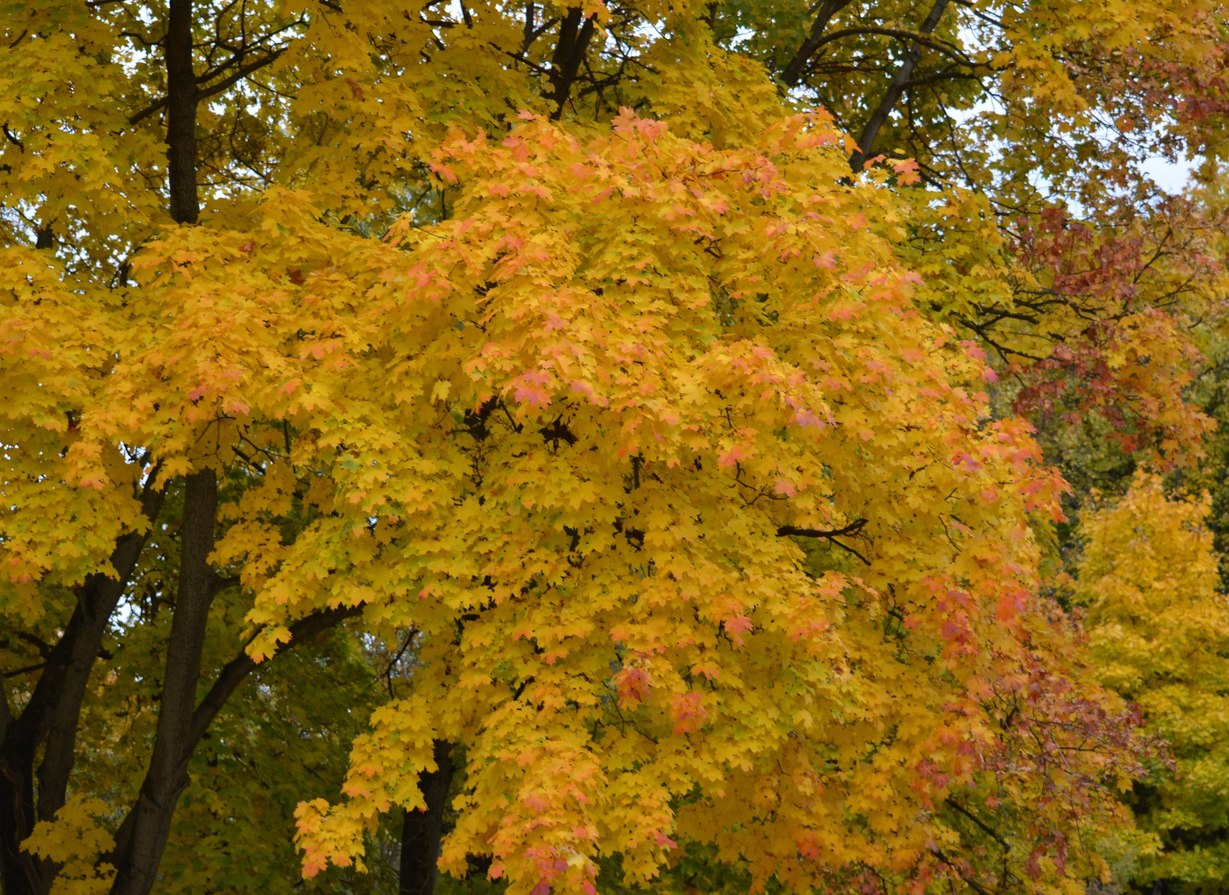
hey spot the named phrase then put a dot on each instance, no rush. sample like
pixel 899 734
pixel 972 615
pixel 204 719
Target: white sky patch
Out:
pixel 1171 176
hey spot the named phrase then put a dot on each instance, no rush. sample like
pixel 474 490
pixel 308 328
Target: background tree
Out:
pixel 1158 628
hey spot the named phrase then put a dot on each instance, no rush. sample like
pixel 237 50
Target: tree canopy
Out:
pixel 1158 627
pixel 604 447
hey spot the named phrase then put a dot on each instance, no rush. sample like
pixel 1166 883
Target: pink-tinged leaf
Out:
pixel 689 713
pixel 445 173
pixel 532 387
pixel 1011 604
pixel 736 627
pixel 974 350
pixel 527 394
pixel 731 457
pixel 663 841
pixel 784 488
pixel 906 171
pixel 312 865
pixel 95 482
pixel 964 459
pixel 632 685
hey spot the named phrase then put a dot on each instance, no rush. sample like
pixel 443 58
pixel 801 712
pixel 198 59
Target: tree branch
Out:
pixel 981 824
pixel 913 54
pixel 829 534
pixel 12 137
pixel 232 674
pixel 44 648
pixel 575 32
pixel 235 671
pixel 217 86
pixel 797 66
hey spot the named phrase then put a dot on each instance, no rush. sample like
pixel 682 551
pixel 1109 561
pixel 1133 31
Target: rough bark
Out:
pixel 575 32
pixel 136 867
pixel 181 99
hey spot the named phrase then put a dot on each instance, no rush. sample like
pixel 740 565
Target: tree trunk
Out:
pixel 148 825
pixel 421 831
pixel 19 873
pixel 51 716
pixel 181 100
pixel 138 857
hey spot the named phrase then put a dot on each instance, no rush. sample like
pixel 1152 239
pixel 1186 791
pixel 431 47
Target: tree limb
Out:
pixel 829 534
pixel 237 669
pixel 575 32
pixel 217 86
pixel 797 66
pixel 231 675
pixel 913 54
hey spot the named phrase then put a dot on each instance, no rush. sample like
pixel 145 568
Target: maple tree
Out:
pixel 1158 626
pixel 566 362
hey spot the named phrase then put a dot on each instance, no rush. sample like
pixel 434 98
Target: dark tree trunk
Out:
pixel 168 771
pixel 51 716
pixel 575 33
pixel 181 97
pixel 44 731
pixel 19 873
pixel 148 825
pixel 421 831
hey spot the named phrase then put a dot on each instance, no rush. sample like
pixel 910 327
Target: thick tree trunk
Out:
pixel 575 33
pixel 19 873
pixel 181 99
pixel 168 772
pixel 44 731
pixel 143 837
pixel 49 718
pixel 421 831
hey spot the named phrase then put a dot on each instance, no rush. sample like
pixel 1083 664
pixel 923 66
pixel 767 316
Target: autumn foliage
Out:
pixel 611 444
pixel 620 445
pixel 1157 626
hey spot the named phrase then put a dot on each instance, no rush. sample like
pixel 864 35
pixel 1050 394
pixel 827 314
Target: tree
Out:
pixel 573 644
pixel 1115 390
pixel 636 435
pixel 1158 626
